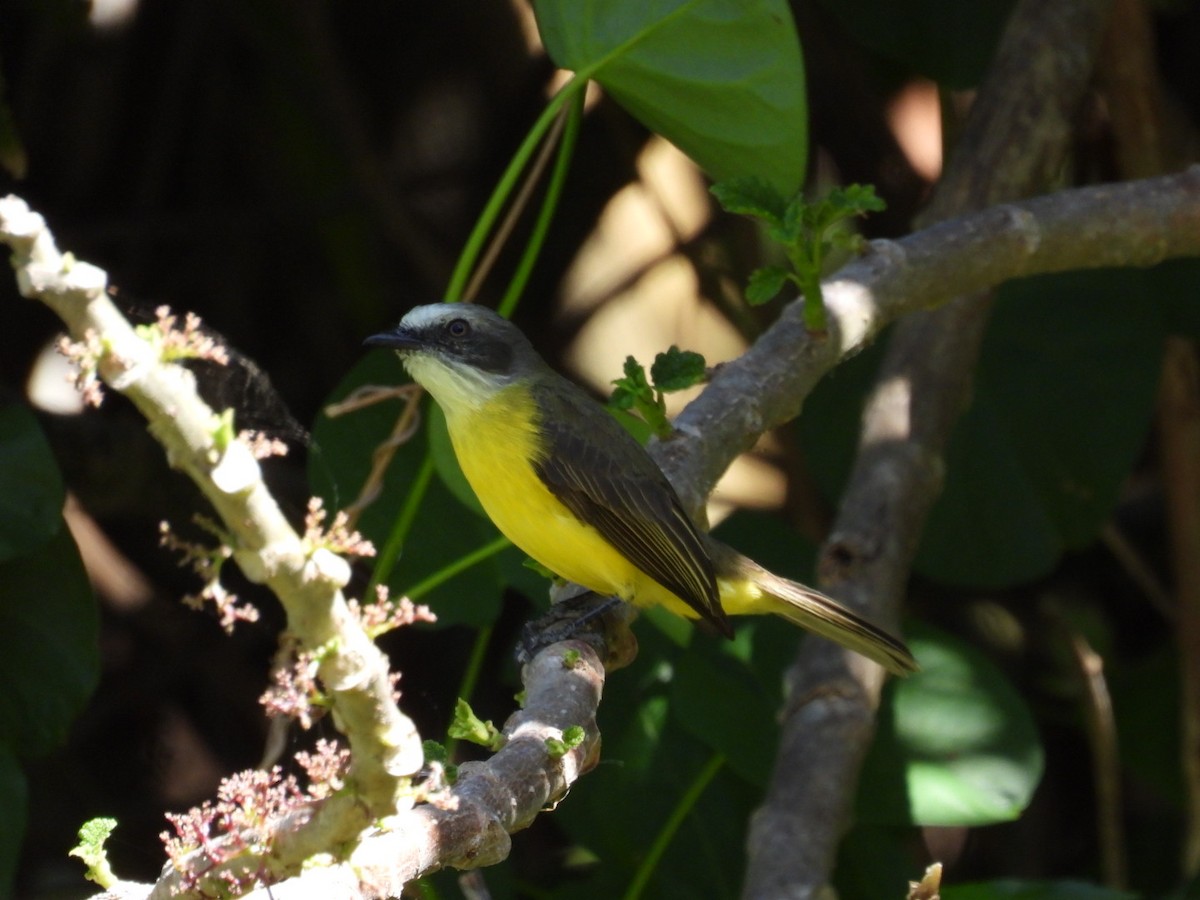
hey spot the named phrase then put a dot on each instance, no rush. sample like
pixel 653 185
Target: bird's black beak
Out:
pixel 396 339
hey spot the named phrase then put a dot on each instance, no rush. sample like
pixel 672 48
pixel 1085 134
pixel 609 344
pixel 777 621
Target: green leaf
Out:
pixel 751 196
pixel 467 726
pixel 31 489
pixel 1056 423
pixel 723 80
pixel 946 40
pixel 990 527
pixel 1033 890
pixel 955 744
pixel 91 850
pixel 765 284
pixel 435 752
pixel 718 700
pixel 677 370
pixel 855 200
pixel 1176 284
pixel 633 388
pixel 795 226
pixel 572 737
pixel 49 657
pixel 634 391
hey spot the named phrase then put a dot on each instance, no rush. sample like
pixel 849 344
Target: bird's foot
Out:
pixel 600 622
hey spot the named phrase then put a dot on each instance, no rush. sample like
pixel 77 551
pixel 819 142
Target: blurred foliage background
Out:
pixel 300 173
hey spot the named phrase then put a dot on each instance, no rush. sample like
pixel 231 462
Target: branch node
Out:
pixel 237 470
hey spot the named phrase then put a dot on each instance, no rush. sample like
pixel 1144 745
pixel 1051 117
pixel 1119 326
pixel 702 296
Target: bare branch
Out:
pixel 1015 139
pixel 1134 223
pixel 392 842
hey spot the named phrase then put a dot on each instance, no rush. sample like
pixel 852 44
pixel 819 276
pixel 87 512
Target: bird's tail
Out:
pixel 812 610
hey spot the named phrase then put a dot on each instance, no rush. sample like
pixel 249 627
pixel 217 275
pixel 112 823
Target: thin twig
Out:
pixel 1139 571
pixel 1179 435
pixel 532 178
pixel 405 427
pixel 1106 762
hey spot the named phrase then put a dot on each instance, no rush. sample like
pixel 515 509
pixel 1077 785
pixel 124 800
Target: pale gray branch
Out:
pixel 308 580
pixel 469 825
pixel 1014 140
pixel 1133 223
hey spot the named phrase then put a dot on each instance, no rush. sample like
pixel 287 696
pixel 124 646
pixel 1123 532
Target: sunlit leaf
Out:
pixel 723 80
pixel 956 745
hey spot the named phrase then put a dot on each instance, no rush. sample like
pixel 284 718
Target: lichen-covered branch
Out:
pixel 467 825
pixel 305 573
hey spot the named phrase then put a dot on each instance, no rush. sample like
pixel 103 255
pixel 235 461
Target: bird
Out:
pixel 568 485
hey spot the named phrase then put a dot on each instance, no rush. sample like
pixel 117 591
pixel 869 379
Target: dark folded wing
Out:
pixel 600 473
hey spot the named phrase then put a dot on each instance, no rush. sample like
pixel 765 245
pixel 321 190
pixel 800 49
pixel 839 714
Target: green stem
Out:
pixel 663 840
pixel 508 181
pixel 444 574
pixel 814 302
pixel 402 526
pixel 491 212
pixel 541 227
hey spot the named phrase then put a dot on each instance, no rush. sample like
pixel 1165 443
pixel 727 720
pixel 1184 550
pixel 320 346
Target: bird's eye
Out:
pixel 458 328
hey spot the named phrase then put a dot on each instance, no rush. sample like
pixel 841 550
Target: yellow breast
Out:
pixel 496 444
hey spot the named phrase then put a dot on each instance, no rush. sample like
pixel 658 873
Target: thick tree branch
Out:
pixel 1014 140
pixel 466 826
pixel 1135 223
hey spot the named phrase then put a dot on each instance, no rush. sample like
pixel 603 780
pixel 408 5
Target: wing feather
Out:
pixel 599 472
